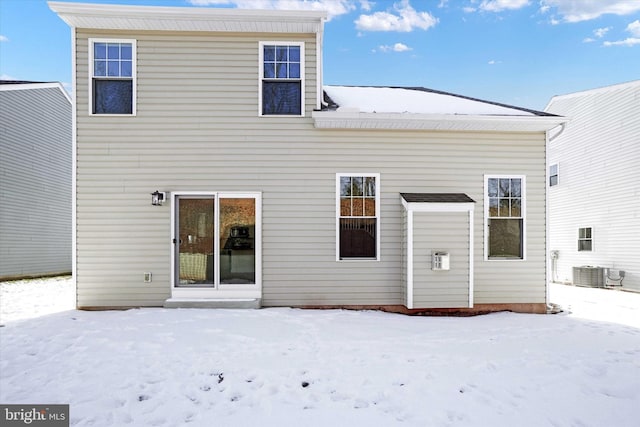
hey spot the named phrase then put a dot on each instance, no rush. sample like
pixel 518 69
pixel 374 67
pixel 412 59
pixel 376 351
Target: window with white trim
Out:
pixel 504 217
pixel 281 78
pixel 112 65
pixel 585 239
pixel 358 217
pixel 553 175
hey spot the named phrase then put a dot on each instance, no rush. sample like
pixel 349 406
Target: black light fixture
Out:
pixel 157 198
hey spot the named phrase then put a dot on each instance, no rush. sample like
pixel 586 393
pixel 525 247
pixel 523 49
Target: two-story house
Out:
pixel 271 189
pixel 594 187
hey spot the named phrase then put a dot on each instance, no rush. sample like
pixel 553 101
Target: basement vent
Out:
pixel 588 276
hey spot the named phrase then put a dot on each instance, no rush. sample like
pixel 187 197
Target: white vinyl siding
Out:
pixel 599 156
pixel 204 135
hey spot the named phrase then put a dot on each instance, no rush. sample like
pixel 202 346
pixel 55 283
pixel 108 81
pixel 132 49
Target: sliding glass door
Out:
pixel 216 240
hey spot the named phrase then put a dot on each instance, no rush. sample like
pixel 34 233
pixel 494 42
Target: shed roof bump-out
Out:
pixel 436 198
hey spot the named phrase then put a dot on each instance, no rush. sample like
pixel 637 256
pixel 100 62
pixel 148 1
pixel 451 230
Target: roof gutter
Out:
pixel 434 122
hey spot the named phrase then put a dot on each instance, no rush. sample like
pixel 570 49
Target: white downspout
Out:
pixel 74 166
pixel 319 66
pixel 549 266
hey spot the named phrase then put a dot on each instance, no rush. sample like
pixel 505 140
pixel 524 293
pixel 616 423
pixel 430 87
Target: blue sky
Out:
pixel 519 52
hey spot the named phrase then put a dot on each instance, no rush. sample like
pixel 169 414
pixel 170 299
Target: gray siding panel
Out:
pixel 441 232
pixel 210 138
pixel 35 182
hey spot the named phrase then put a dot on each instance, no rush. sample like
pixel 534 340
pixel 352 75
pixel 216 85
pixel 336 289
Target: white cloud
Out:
pixel 332 7
pixel 7 77
pixel 500 5
pixel 631 41
pixel 599 33
pixel 3 38
pixel 634 29
pixel 407 19
pixel 366 5
pixel 398 47
pixel 468 9
pixel 585 10
pixel 494 62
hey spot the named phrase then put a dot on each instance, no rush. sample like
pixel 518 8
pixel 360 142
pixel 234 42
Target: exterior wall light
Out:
pixel 158 198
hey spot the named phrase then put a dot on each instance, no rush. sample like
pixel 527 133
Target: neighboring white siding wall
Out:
pixel 447 232
pixel 599 181
pixel 197 129
pixel 35 181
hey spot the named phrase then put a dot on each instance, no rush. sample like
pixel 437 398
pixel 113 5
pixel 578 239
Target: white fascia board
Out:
pixel 161 18
pixel 27 86
pixel 438 207
pixel 437 122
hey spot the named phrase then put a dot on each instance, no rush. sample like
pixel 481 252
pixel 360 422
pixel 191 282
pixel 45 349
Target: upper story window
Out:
pixel 281 78
pixel 504 217
pixel 112 76
pixel 585 239
pixel 358 206
pixel 553 175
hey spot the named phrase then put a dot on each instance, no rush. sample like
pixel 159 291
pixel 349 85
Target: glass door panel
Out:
pixel 237 241
pixel 195 241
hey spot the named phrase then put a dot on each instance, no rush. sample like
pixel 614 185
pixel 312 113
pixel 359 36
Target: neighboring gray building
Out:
pixel 35 179
pixel 277 190
pixel 594 193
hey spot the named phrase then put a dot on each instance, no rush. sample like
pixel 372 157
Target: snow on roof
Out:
pixel 417 101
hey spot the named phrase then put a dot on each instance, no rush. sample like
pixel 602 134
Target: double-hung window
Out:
pixel 505 217
pixel 112 71
pixel 358 217
pixel 553 175
pixel 585 239
pixel 281 79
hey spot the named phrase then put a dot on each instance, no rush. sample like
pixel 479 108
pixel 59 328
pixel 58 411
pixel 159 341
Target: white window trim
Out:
pixel 134 60
pixel 557 175
pixel 591 239
pixel 378 220
pixel 219 290
pixel 523 207
pixel 261 76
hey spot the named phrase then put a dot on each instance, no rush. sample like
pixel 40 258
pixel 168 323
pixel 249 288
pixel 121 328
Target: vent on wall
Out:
pixel 588 276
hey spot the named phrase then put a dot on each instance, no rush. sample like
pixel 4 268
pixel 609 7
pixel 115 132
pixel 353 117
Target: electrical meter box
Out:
pixel 439 260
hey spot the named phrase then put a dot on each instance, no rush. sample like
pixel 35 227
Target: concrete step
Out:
pixel 248 303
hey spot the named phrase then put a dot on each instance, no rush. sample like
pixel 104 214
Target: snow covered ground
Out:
pixel 288 367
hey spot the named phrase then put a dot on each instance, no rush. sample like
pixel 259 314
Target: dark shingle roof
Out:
pixel 17 82
pixel 436 198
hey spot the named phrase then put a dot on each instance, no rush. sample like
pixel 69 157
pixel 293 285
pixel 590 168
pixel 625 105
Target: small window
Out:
pixel 113 70
pixel 281 79
pixel 358 205
pixel 553 175
pixel 585 239
pixel 504 217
